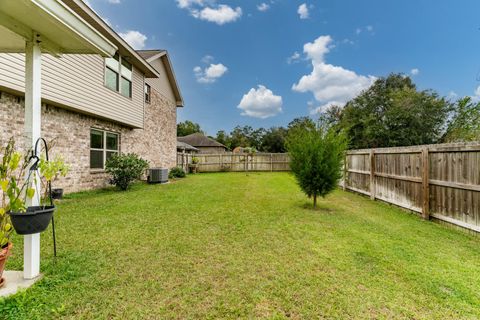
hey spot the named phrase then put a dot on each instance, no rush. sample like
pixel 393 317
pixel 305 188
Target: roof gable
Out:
pixel 152 55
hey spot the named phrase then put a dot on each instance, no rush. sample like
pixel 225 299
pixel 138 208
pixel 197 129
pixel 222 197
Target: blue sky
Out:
pixel 283 59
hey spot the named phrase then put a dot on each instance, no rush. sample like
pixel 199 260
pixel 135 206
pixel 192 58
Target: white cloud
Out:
pixel 303 11
pixel 220 15
pixel 414 72
pixel 368 29
pixel 329 84
pixel 208 10
pixel 207 59
pixel 294 58
pixel 263 7
pixel 452 95
pixel 210 74
pixel 188 3
pixel 134 38
pixel 114 1
pixel 476 95
pixel 260 103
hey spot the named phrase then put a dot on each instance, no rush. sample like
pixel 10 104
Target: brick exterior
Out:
pixel 71 131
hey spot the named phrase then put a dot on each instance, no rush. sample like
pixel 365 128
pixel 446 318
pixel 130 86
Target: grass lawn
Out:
pixel 236 246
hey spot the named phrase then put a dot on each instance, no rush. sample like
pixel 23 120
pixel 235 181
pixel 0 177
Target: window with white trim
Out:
pixel 103 145
pixel 118 75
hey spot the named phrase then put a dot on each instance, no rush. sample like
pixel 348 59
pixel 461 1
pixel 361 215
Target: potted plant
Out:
pixel 10 173
pixel 194 165
pixel 34 219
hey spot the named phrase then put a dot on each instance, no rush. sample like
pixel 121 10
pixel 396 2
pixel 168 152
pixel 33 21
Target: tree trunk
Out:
pixel 314 201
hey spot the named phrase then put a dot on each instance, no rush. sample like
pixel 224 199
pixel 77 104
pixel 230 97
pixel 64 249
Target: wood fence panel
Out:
pixel 238 162
pixel 441 181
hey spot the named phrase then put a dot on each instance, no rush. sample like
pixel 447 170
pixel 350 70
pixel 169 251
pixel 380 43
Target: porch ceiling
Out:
pixel 57 27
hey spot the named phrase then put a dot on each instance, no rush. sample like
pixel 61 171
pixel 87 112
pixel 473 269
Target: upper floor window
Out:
pixel 103 145
pixel 118 75
pixel 148 93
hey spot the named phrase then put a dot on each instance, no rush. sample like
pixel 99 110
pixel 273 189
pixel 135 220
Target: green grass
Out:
pixel 246 246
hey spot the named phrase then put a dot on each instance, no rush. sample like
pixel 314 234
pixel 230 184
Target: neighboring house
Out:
pixel 95 107
pixel 203 143
pixel 183 147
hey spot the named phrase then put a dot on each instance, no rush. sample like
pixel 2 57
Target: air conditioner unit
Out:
pixel 157 175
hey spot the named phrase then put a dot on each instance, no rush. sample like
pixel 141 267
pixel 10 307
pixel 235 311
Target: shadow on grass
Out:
pixel 321 207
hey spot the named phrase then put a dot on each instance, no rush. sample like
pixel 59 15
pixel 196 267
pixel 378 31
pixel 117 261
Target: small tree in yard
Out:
pixel 124 169
pixel 316 157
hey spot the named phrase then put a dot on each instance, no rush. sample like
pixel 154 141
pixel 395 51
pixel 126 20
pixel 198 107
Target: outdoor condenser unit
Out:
pixel 157 175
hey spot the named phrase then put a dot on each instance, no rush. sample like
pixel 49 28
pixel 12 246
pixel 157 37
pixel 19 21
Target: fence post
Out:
pixel 425 184
pixel 271 162
pixel 345 172
pixel 372 174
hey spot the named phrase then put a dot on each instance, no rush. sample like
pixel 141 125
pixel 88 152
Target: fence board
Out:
pixel 442 181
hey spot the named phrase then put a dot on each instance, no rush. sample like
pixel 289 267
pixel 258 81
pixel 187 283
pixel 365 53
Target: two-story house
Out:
pixel 94 107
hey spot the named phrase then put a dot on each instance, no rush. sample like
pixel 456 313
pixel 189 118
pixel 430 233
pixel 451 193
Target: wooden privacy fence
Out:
pixel 439 181
pixel 236 162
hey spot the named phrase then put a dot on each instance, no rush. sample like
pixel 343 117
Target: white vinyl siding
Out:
pixel 161 84
pixel 78 82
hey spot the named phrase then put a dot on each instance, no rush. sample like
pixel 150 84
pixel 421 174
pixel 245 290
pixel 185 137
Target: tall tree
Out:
pixel 274 140
pixel 188 127
pixel 223 138
pixel 465 123
pixel 392 112
pixel 302 122
pixel 316 157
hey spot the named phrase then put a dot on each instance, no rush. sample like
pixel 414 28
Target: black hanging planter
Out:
pixel 37 218
pixel 34 220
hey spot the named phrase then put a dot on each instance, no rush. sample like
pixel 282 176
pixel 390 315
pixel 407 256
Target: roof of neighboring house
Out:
pixel 199 140
pixel 151 55
pixel 185 146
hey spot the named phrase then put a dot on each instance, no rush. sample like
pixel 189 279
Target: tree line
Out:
pixel 391 113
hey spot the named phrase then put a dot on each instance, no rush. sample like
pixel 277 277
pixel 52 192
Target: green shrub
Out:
pixel 124 169
pixel 176 172
pixel 316 157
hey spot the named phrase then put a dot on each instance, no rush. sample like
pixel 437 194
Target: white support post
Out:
pixel 33 113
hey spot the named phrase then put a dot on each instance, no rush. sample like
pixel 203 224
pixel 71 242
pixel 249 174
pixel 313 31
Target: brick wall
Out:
pixel 71 131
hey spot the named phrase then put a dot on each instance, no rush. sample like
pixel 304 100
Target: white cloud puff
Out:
pixel 220 15
pixel 260 103
pixel 329 84
pixel 210 74
pixel 134 38
pixel 294 58
pixel 303 11
pixel 414 72
pixel 208 10
pixel 263 7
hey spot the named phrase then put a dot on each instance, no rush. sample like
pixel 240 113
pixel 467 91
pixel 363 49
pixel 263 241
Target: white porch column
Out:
pixel 33 108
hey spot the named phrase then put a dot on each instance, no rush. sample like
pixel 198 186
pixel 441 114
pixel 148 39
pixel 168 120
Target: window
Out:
pixel 118 75
pixel 148 92
pixel 112 65
pixel 103 145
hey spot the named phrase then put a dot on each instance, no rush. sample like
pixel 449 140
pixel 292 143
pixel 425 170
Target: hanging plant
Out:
pixel 41 172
